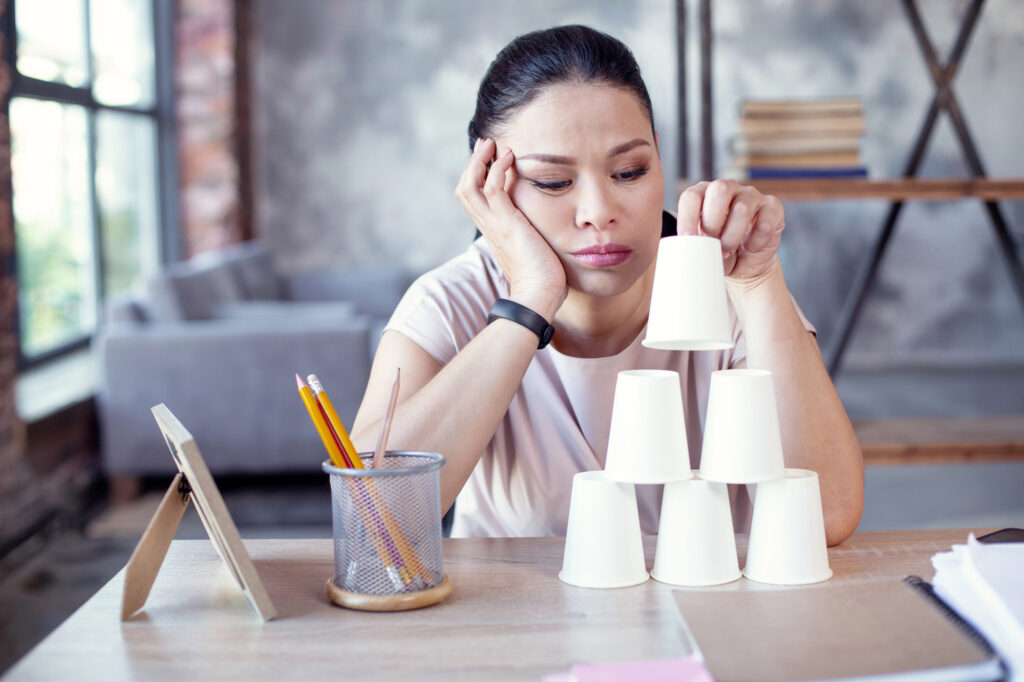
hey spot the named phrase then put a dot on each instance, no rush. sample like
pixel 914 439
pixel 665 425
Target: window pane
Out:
pixel 122 47
pixel 51 40
pixel 50 166
pixel 126 187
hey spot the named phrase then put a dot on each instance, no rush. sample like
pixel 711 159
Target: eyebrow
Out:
pixel 568 160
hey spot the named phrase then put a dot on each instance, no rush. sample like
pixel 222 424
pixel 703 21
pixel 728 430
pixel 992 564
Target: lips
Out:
pixel 603 255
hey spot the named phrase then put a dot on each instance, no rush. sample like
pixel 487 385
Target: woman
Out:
pixel 566 186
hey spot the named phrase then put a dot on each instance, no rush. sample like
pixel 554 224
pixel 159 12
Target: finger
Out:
pixel 494 189
pixel 688 213
pixel 468 191
pixel 767 228
pixel 478 162
pixel 717 202
pixel 740 221
pixel 510 179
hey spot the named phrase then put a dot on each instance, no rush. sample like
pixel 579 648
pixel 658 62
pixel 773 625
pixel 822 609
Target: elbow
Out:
pixel 840 527
pixel 843 503
pixel 843 517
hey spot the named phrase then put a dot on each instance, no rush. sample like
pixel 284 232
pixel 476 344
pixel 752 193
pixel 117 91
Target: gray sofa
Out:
pixel 218 339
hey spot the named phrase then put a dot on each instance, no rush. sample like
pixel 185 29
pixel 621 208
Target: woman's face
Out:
pixel 589 178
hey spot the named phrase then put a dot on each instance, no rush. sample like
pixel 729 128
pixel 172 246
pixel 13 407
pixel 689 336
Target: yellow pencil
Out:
pixel 321 426
pixel 332 416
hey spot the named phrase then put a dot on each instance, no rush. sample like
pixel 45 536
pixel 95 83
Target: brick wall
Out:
pixel 212 123
pixel 13 475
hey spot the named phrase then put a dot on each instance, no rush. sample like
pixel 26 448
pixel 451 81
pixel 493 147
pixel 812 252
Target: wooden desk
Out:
pixel 509 618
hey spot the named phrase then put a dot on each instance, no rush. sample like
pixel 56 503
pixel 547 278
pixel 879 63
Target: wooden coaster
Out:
pixel 389 602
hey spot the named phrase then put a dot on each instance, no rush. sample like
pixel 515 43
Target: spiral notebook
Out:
pixel 887 630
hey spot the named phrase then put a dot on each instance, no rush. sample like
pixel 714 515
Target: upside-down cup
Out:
pixel 688 301
pixel 787 532
pixel 647 440
pixel 696 541
pixel 742 442
pixel 603 547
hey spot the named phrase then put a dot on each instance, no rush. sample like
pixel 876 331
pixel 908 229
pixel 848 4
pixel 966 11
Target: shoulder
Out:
pixel 470 281
pixel 446 307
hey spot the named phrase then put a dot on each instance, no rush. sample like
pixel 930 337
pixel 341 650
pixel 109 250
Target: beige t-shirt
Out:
pixel 557 424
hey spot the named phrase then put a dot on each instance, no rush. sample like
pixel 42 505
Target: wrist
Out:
pixel 507 309
pixel 540 302
pixel 741 287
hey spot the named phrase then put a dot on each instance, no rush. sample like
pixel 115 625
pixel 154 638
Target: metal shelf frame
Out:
pixel 978 185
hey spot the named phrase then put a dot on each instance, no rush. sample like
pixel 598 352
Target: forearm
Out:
pixel 816 432
pixel 457 412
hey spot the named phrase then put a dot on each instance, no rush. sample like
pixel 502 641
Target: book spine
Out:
pixel 767 108
pixel 823 144
pixel 811 125
pixel 762 173
pixel 807 160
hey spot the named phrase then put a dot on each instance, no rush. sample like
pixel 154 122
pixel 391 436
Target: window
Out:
pixel 86 133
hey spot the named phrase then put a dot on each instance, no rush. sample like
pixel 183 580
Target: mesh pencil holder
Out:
pixel 387 533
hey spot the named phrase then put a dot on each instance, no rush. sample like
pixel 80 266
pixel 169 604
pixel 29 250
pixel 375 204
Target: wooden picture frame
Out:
pixel 193 482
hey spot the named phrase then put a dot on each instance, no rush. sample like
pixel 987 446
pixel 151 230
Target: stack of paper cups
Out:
pixel 743 444
pixel 646 444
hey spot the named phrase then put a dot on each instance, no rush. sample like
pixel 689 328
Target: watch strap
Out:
pixel 520 314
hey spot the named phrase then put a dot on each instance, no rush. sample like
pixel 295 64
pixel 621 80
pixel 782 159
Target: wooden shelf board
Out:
pixel 941 441
pixel 942 189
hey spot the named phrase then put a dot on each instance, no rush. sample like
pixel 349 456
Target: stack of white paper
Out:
pixel 984 583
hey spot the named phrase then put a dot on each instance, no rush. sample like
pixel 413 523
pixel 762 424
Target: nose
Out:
pixel 596 206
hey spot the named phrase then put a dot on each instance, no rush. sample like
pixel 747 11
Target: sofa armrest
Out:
pixel 231 385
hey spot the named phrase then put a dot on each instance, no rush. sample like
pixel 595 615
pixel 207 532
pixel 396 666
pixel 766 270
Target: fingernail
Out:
pixel 476 145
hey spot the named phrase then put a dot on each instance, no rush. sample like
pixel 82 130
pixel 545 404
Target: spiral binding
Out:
pixel 925 589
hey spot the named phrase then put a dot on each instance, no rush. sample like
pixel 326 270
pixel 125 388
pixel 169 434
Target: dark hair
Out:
pixel 534 61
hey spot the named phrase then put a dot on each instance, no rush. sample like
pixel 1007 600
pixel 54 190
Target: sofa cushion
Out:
pixel 253 269
pixel 187 291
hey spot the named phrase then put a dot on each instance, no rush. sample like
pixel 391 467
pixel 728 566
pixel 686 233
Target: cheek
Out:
pixel 544 212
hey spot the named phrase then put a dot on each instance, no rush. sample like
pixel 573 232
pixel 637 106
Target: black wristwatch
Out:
pixel 520 314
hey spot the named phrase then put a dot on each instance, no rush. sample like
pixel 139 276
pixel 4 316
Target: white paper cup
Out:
pixel 647 440
pixel 787 532
pixel 602 542
pixel 742 443
pixel 696 543
pixel 688 302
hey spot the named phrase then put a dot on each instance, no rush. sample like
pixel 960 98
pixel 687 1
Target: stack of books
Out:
pixel 800 139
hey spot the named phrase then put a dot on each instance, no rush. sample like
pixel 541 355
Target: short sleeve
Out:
pixel 445 308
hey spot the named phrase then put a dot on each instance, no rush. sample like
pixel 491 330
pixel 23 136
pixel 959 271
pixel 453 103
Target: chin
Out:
pixel 606 283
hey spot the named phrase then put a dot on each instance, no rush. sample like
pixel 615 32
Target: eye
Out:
pixel 634 174
pixel 551 186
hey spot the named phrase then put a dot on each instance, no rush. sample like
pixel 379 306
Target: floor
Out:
pixel 45 580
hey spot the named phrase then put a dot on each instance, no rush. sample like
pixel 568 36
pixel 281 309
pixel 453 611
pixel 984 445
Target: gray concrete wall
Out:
pixel 361 107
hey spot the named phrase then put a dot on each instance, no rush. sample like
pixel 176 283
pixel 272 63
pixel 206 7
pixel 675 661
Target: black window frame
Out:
pixel 161 113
